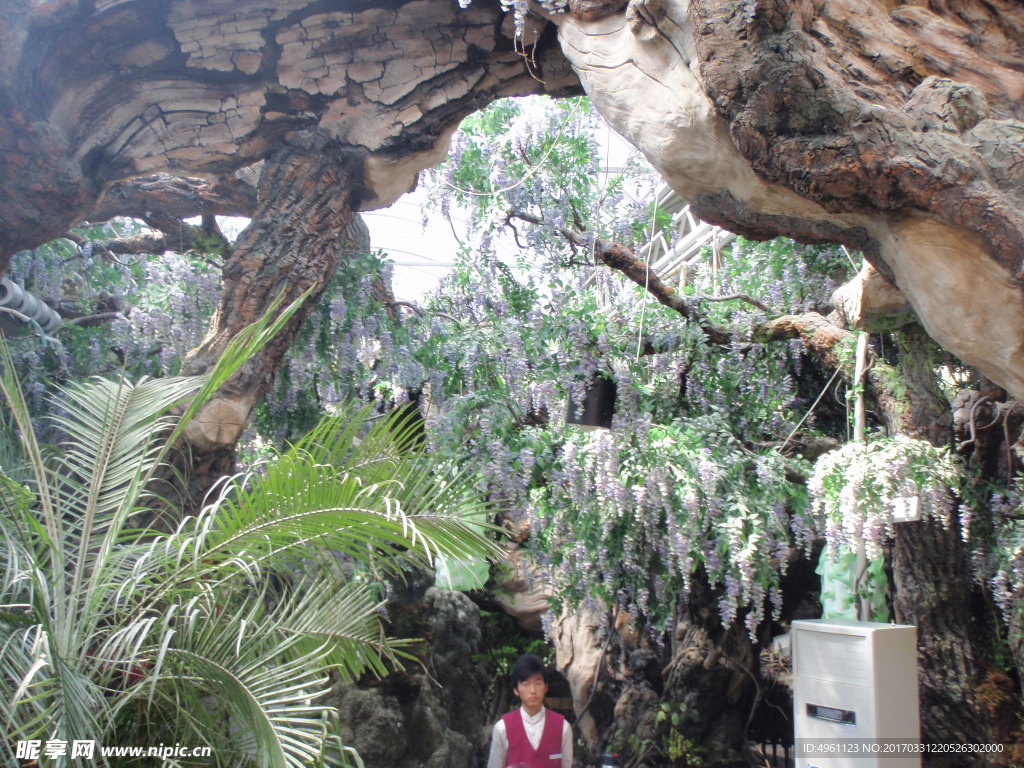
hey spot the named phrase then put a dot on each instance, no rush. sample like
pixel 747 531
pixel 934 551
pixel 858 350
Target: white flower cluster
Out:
pixel 520 8
pixel 856 489
pixel 555 6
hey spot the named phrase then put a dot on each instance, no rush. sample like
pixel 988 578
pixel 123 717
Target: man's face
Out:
pixel 531 692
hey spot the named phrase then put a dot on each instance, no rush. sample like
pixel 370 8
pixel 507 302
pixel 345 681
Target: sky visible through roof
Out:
pixel 423 253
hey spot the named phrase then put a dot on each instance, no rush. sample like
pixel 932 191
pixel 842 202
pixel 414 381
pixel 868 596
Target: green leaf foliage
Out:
pixel 223 631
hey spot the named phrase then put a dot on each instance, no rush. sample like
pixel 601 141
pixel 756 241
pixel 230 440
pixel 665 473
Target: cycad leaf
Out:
pixel 347 616
pixel 89 607
pixel 244 660
pixel 63 582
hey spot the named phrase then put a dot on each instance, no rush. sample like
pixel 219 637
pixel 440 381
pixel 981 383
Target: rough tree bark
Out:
pixel 711 675
pixel 304 226
pixel 96 92
pixel 932 578
pixel 894 127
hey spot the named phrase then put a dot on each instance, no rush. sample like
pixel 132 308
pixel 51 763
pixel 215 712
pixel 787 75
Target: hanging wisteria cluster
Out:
pixel 630 517
pixel 627 515
pixel 858 488
pixel 345 350
pixel 1007 562
pixel 123 313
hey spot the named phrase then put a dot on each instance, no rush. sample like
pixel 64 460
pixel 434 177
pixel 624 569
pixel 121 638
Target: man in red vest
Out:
pixel 531 736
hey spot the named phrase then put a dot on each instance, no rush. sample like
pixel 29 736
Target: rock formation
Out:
pixel 431 715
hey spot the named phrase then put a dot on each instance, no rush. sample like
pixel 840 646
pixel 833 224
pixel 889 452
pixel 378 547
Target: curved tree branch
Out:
pixel 88 321
pixel 621 258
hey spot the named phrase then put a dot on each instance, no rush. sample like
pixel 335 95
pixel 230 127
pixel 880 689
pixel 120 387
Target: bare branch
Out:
pixel 419 312
pixel 738 297
pixel 172 235
pixel 621 258
pixel 407 304
pixel 145 242
pixel 88 321
pixel 574 237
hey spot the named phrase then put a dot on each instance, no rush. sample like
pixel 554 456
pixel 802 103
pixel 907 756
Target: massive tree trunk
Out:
pixel 932 579
pixel 893 127
pixel 304 226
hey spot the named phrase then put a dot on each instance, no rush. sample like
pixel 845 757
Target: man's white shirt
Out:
pixel 534 726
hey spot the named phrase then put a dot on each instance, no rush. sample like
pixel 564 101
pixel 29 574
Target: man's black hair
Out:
pixel 527 666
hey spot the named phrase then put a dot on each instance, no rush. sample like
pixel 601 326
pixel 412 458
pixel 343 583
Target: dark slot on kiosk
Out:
pixel 832 714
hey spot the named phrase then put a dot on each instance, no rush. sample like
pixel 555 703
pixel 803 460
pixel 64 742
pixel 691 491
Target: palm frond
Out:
pixel 159 397
pixel 244 660
pixel 390 455
pixel 11 392
pixel 347 616
pixel 45 695
pixel 299 504
pixel 18 566
pixel 67 551
pixel 114 432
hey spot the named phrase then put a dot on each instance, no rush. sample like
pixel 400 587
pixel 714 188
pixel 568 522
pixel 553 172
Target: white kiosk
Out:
pixel 855 696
